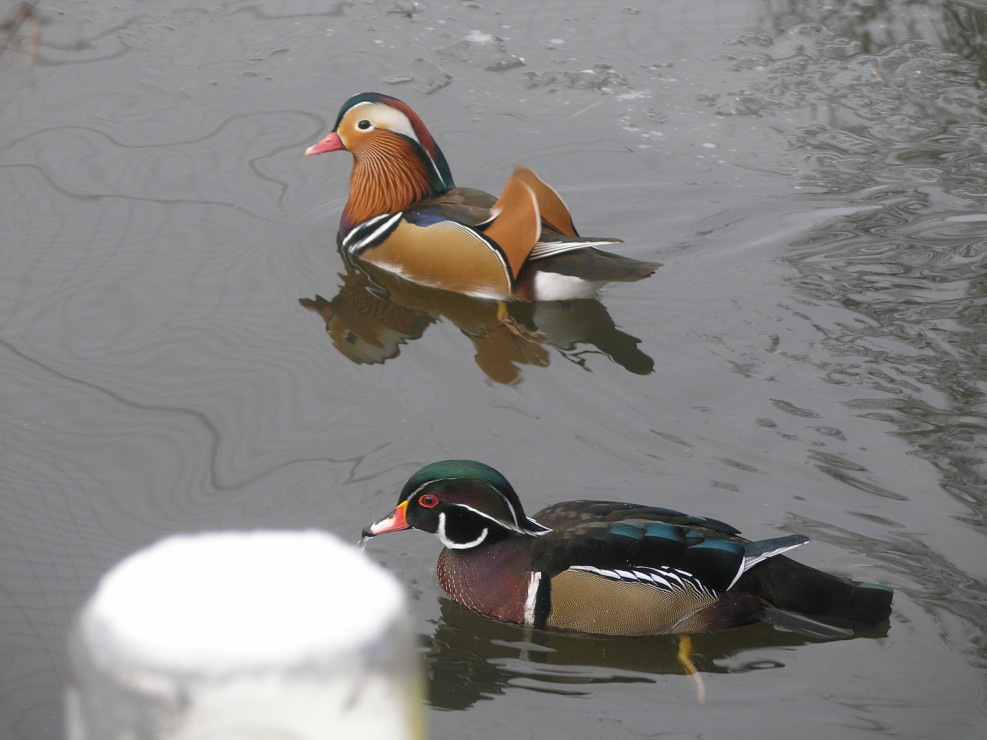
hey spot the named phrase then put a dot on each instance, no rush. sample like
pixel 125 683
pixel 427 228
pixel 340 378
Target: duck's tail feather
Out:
pixel 787 586
pixel 554 247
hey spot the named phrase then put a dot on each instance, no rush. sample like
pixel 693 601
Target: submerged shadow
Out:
pixel 470 657
pixel 374 312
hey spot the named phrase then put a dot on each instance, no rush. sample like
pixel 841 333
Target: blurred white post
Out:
pixel 237 636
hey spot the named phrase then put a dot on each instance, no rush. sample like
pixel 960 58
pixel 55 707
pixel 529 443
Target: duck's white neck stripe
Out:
pixel 441 534
pixel 531 598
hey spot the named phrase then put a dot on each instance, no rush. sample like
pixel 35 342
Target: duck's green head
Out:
pixel 464 502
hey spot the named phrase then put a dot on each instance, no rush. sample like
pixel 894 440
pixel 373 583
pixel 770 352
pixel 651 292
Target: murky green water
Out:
pixel 809 359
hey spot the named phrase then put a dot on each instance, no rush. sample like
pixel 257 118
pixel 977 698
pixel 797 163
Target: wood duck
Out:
pixel 405 214
pixel 612 568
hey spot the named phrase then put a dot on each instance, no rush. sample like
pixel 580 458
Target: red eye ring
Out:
pixel 429 501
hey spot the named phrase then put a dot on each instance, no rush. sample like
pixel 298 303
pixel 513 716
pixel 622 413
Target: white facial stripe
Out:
pixel 384 116
pixel 513 526
pixel 506 525
pixel 540 529
pixel 531 597
pixel 441 534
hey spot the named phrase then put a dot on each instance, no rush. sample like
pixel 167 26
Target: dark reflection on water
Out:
pixel 923 346
pixel 868 60
pixel 470 658
pixel 903 143
pixel 910 257
pixel 375 312
pixel 875 26
pixel 893 140
pixel 903 147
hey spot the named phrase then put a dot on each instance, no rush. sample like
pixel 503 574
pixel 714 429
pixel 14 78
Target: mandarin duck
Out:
pixel 405 214
pixel 611 568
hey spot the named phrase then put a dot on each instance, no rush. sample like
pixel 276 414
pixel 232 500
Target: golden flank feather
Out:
pixel 444 255
pixel 586 602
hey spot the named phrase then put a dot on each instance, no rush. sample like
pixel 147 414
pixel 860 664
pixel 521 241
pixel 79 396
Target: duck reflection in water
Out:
pixel 375 311
pixel 469 657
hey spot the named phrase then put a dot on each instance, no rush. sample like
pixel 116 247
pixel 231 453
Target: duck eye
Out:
pixel 428 500
pixel 364 124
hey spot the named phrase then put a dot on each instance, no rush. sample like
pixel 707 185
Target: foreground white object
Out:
pixel 287 635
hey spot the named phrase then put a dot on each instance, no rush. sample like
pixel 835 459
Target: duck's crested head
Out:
pixel 396 160
pixel 367 114
pixel 467 481
pixel 464 502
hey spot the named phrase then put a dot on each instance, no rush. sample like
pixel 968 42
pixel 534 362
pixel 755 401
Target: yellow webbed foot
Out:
pixel 685 660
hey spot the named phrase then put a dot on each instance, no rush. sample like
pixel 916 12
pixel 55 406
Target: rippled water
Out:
pixel 810 358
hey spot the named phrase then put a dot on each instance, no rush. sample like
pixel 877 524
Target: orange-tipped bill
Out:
pixel 332 143
pixel 393 523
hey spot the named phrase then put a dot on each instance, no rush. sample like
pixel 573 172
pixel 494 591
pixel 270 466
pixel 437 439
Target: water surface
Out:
pixel 809 359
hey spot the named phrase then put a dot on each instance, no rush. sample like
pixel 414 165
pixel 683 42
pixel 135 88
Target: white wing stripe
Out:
pixel 548 249
pixel 667 579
